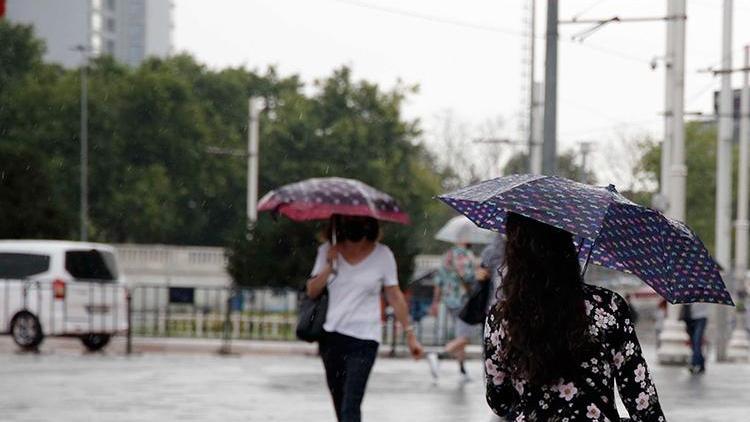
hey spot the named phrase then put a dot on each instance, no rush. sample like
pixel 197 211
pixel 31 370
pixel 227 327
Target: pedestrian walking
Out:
pixel 660 315
pixel 355 270
pixel 695 316
pixel 453 281
pixel 491 260
pixel 554 346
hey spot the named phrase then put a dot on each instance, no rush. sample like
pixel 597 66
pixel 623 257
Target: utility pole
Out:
pixel 673 338
pixel 549 146
pixel 532 89
pixel 666 145
pixel 84 153
pixel 739 344
pixel 252 161
pixel 537 129
pixel 724 172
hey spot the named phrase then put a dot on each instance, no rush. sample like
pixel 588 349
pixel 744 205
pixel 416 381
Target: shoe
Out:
pixel 432 361
pixel 464 375
pixel 696 370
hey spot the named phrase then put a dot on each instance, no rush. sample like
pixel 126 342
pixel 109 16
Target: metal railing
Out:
pixel 157 310
pixel 208 312
pixel 244 314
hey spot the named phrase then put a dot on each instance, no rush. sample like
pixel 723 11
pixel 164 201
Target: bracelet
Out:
pixel 409 329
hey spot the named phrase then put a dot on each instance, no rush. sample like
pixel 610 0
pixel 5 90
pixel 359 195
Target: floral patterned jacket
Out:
pixel 589 397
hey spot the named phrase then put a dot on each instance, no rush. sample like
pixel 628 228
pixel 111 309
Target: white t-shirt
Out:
pixel 354 294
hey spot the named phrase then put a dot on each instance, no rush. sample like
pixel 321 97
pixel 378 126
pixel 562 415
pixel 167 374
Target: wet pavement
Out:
pixel 74 386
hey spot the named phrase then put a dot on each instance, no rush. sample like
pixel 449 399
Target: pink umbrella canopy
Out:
pixel 320 198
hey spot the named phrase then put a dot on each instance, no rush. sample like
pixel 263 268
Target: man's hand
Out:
pixel 416 349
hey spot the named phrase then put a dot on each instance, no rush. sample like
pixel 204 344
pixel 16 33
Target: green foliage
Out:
pixel 347 129
pixel 152 178
pixel 700 156
pixel 28 207
pixel 19 53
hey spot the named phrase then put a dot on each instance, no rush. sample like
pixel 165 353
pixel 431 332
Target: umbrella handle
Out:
pixel 588 256
pixel 333 243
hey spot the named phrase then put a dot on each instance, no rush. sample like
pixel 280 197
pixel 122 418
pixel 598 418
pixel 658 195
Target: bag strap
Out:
pixel 334 273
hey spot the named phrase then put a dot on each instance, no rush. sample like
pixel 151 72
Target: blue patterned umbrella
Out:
pixel 611 230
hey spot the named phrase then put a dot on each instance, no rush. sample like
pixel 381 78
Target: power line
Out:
pixel 432 18
pixel 700 92
pixel 481 27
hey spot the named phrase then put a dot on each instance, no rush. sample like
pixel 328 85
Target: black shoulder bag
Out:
pixel 474 311
pixel 311 314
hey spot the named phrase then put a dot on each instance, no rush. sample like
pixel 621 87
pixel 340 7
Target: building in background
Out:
pixel 128 30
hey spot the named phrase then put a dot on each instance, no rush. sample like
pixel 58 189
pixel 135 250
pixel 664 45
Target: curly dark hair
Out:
pixel 543 302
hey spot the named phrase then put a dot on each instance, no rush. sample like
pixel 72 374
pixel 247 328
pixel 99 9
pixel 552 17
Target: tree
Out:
pixel 461 157
pixel 349 129
pixel 153 180
pixel 28 204
pixel 19 53
pixel 31 202
pixel 700 157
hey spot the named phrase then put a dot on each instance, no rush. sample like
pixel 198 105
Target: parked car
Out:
pixel 60 288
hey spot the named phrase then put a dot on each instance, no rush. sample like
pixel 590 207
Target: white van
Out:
pixel 60 288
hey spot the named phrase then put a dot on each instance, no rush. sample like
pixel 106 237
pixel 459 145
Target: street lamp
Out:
pixel 254 108
pixel 84 141
pixel 253 113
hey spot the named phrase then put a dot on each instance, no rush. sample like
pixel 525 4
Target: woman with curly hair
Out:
pixel 554 346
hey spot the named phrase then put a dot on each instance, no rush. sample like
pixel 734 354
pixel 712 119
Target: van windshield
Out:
pixel 91 264
pixel 22 265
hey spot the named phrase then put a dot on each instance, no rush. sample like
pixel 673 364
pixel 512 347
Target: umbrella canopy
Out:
pixel 611 230
pixel 460 229
pixel 320 198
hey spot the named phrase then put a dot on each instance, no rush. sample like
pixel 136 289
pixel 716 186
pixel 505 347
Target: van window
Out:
pixel 21 265
pixel 91 265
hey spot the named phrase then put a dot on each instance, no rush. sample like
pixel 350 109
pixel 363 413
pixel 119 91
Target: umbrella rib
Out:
pixel 367 198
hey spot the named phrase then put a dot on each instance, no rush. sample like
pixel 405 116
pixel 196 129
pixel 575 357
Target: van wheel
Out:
pixel 26 331
pixel 95 342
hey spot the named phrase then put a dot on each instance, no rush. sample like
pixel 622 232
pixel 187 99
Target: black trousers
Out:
pixel 347 361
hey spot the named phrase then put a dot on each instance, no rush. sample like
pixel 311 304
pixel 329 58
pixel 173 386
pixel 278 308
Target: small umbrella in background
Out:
pixel 320 198
pixel 613 231
pixel 460 229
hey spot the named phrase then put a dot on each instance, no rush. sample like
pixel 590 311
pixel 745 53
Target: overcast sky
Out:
pixel 467 56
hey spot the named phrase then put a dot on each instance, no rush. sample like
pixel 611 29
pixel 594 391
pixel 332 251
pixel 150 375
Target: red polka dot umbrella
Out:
pixel 320 198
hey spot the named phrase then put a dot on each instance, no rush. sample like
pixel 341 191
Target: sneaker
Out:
pixel 432 360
